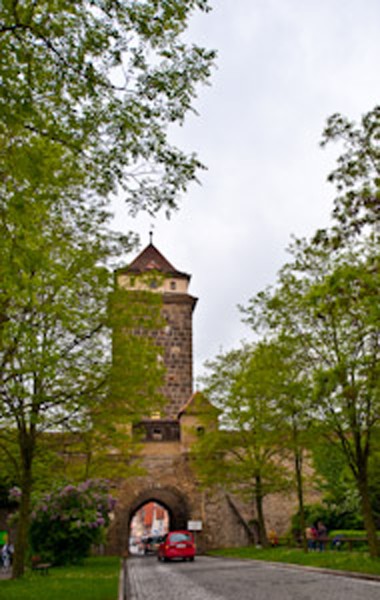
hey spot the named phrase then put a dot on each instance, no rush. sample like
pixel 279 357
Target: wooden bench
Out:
pixel 41 567
pixel 338 542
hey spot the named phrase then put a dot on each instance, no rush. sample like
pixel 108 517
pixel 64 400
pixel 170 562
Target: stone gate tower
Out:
pixel 150 270
pixel 169 437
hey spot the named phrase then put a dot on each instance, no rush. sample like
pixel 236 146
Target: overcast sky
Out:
pixel 283 67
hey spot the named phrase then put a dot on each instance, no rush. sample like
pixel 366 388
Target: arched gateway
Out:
pixel 171 499
pixel 168 437
pixel 138 493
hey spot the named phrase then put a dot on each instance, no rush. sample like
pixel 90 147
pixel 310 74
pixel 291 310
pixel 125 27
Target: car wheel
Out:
pixel 191 559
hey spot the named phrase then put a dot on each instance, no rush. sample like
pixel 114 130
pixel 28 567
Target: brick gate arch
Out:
pixel 171 483
pixel 137 492
pixel 171 499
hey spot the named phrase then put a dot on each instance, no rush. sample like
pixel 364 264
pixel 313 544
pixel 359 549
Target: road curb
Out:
pixel 124 591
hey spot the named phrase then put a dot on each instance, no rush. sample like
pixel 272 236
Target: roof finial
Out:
pixel 151 237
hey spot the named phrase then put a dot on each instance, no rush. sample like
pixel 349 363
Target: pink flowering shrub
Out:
pixel 68 521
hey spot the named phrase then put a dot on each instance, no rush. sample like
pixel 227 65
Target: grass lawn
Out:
pixel 96 579
pixel 360 562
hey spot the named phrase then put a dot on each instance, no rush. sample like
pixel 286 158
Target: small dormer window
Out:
pixel 173 285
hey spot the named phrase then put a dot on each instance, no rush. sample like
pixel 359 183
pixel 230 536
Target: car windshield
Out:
pixel 180 537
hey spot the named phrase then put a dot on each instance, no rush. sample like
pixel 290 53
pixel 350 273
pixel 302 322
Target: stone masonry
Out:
pixel 176 339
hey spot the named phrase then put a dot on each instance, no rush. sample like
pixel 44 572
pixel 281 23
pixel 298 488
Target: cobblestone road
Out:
pixel 223 579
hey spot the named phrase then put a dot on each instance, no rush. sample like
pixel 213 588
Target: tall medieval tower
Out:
pixel 150 270
pixel 166 440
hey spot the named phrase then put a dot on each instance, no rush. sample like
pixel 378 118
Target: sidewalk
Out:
pixel 5 573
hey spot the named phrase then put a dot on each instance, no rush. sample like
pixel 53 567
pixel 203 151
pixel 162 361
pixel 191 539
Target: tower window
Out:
pixel 157 434
pixel 200 431
pixel 173 285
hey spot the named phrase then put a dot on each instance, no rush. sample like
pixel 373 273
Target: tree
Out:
pixel 330 300
pixel 374 478
pixel 134 377
pixel 288 382
pixel 327 296
pixel 242 452
pixel 357 177
pixel 88 90
pixel 55 343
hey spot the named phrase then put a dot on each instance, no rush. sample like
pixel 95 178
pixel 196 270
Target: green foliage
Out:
pixel 134 318
pixel 69 520
pixel 357 176
pixel 354 533
pixel 263 394
pixel 5 501
pixel 54 345
pixel 104 430
pixel 55 342
pixel 88 90
pixel 341 500
pixel 54 306
pixel 243 446
pixel 243 449
pixel 330 300
pixel 332 516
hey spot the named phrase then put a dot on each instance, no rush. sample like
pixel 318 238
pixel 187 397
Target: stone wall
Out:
pixel 171 483
pixel 176 340
pixel 228 520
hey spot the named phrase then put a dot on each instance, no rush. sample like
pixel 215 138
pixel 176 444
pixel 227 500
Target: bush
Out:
pixel 349 533
pixel 68 521
pixel 332 517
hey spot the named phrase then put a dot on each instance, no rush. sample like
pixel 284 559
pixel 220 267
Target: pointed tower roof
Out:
pixel 198 404
pixel 151 259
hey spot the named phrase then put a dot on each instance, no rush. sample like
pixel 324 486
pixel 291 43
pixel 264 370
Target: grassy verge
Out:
pixel 360 562
pixel 96 579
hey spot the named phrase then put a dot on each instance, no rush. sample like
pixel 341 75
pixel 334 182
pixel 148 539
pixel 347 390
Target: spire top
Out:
pixel 151 236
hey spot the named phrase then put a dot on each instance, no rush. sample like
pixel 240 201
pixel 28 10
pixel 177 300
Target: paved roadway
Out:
pixel 223 579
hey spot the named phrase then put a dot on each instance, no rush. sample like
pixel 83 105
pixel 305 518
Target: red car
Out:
pixel 177 544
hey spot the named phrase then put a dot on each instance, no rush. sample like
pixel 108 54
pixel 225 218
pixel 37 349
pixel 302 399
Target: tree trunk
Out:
pixel 260 513
pixel 369 522
pixel 21 542
pixel 301 507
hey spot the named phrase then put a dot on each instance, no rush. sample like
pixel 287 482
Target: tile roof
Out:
pixel 151 259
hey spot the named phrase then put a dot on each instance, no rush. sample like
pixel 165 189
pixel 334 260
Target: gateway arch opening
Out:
pixel 147 528
pixel 152 515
